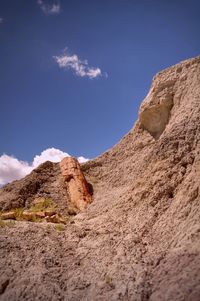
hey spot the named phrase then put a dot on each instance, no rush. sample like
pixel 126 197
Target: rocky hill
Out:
pixel 135 235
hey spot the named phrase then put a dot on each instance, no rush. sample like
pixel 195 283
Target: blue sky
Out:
pixel 45 104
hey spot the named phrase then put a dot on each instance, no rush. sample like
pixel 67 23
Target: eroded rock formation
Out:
pixel 167 90
pixel 75 182
pixel 155 110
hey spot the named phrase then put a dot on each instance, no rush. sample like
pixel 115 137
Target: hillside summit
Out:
pixel 138 238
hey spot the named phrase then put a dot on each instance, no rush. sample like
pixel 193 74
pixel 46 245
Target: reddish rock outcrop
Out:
pixel 75 182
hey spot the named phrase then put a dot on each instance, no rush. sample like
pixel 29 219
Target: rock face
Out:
pixel 139 239
pixel 155 111
pixel 75 182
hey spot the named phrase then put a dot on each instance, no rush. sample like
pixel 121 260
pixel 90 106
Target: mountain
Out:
pixel 139 236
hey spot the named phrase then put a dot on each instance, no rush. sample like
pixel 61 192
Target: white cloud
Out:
pixel 82 159
pixel 49 9
pixel 80 67
pixel 50 154
pixel 1 20
pixel 13 169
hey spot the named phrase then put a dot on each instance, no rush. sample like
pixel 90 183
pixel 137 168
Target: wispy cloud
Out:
pixel 1 20
pixel 73 62
pixel 13 169
pixel 48 8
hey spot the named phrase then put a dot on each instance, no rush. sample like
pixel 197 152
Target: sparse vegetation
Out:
pixel 60 227
pixel 18 213
pixel 94 180
pixel 42 204
pixel 48 228
pixel 2 223
pixel 109 280
pixel 36 219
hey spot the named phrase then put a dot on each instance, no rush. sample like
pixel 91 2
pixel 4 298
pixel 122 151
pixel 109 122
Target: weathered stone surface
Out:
pixel 76 184
pixel 8 215
pixel 155 110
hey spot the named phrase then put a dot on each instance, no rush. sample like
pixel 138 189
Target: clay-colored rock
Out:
pixel 8 215
pixel 76 184
pixel 28 216
pixel 50 212
pixel 55 219
pixel 31 215
pixel 40 214
pixel 62 220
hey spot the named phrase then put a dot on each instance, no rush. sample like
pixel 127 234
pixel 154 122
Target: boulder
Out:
pixel 75 183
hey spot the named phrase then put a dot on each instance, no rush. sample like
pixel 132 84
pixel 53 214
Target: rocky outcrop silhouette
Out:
pixel 139 238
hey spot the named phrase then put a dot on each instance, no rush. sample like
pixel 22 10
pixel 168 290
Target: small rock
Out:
pixel 62 220
pixel 8 215
pixel 52 219
pixel 40 214
pixel 28 216
pixel 55 219
pixel 50 212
